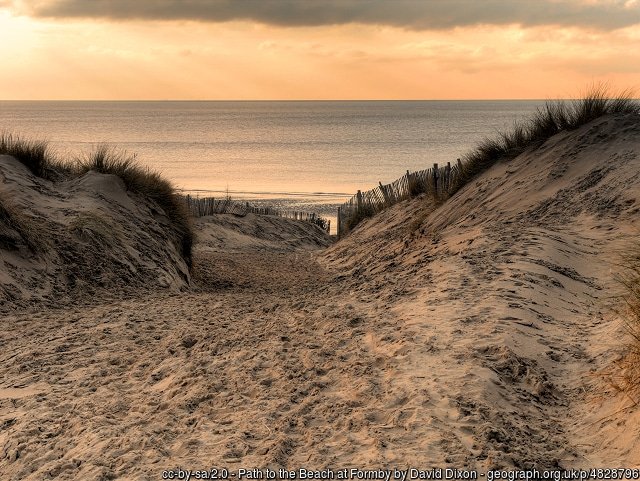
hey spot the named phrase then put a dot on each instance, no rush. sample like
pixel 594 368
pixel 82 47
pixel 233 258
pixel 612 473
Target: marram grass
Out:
pixel 147 183
pixel 38 158
pixel 547 121
pixel 35 155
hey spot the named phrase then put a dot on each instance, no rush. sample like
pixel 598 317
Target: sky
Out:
pixel 316 49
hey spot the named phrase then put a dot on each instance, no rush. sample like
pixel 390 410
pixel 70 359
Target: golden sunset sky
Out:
pixel 315 49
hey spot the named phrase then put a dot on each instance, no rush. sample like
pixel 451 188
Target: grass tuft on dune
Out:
pixel 628 378
pixel 15 219
pixel 148 183
pixel 547 121
pixel 36 156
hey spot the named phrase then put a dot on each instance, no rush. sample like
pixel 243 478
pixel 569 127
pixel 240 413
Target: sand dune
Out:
pixel 504 293
pixel 470 336
pixel 91 238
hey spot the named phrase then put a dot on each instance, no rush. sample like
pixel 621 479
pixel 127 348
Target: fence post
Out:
pixel 459 164
pixel 436 174
pixel 359 206
pixel 447 174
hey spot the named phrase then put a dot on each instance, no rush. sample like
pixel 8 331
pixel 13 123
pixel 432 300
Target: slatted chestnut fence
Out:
pixel 200 207
pixel 312 217
pixel 437 181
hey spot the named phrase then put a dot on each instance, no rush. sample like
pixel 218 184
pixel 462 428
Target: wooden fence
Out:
pixel 200 207
pixel 437 181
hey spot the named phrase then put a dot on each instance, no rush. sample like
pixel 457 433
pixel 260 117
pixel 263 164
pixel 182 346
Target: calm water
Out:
pixel 299 152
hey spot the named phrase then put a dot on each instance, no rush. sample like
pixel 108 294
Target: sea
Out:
pixel 295 155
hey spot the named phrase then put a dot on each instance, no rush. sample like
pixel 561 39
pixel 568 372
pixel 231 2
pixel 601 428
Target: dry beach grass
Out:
pixel 36 156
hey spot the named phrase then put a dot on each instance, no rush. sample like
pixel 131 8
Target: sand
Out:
pixel 92 240
pixel 477 335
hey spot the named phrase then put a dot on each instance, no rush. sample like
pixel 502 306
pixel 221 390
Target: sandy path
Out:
pixel 250 374
pixel 277 361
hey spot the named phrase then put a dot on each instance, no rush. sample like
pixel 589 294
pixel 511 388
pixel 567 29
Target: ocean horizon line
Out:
pixel 300 194
pixel 288 100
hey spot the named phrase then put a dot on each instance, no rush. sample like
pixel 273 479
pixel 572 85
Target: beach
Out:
pixel 475 335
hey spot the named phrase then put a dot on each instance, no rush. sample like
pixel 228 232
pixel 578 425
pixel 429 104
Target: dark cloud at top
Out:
pixel 412 14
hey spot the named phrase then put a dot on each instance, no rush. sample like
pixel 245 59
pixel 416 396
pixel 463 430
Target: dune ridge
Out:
pixel 512 279
pixel 80 237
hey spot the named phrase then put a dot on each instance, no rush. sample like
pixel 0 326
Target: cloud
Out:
pixel 410 14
